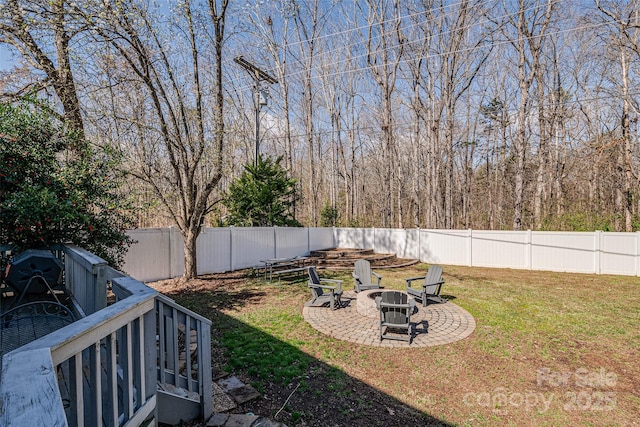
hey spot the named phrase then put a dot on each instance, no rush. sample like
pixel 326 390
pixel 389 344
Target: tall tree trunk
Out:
pixel 384 63
pixel 57 68
pixel 308 43
pixel 542 155
pixel 528 68
pixel 191 254
pixel 626 143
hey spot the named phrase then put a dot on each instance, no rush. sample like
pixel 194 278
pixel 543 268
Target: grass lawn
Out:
pixel 549 349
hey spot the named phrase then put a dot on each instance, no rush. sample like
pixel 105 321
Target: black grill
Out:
pixel 34 271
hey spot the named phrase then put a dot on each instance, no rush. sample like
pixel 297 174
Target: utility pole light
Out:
pixel 260 97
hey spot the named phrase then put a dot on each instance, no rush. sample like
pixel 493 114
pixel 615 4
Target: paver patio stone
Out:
pixel 436 324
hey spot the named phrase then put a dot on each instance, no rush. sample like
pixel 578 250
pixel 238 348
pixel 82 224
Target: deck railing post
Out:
pixel 86 278
pixel 204 375
pixel 30 379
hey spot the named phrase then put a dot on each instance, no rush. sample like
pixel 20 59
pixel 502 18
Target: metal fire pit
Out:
pixel 34 271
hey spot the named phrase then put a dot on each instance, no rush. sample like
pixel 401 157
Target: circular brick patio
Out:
pixel 435 324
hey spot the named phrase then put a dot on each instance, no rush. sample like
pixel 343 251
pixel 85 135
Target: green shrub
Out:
pixel 55 188
pixel 263 196
pixel 329 216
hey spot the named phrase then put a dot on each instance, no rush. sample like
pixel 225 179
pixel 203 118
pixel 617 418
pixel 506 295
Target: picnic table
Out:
pixel 283 266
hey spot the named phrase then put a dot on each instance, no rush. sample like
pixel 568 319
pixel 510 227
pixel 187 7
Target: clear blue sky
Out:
pixel 6 62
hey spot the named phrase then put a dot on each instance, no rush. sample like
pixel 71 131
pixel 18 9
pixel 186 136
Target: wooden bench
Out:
pixel 283 267
pixel 289 272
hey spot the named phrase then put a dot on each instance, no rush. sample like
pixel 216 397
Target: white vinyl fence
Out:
pixel 159 252
pixel 589 252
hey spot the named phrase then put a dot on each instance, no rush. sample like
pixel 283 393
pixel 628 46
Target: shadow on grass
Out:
pixel 297 389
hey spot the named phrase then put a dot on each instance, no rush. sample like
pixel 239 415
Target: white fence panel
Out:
pixel 619 253
pixel 402 242
pixel 250 245
pixel 368 238
pixel 214 250
pixel 321 238
pixel 445 247
pixel 383 239
pixel 149 258
pixel 177 252
pixel 351 238
pixel 503 249
pixel 566 252
pixel 412 245
pixel 291 242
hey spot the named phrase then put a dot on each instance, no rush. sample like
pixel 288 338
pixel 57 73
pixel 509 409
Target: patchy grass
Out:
pixel 549 349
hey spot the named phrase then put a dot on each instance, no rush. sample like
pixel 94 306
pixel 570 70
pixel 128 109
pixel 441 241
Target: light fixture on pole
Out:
pixel 260 97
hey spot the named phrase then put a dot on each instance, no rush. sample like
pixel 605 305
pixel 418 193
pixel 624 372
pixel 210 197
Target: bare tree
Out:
pixel 180 145
pixel 25 25
pixel 463 58
pixel 385 48
pixel 310 20
pixel 421 72
pixel 625 35
pixel 530 25
pixel 397 113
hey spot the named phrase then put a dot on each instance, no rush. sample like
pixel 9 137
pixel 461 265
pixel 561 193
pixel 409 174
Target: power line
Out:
pixel 384 22
pixel 442 54
pixel 402 17
pixel 489 45
pixel 457 117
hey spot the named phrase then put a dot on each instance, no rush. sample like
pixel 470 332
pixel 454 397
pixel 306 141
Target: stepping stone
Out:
pixel 221 401
pixel 230 383
pixel 243 394
pixel 217 373
pixel 217 420
pixel 239 420
pixel 265 422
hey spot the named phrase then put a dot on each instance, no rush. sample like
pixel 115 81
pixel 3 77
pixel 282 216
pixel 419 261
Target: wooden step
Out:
pixel 341 253
pixel 344 258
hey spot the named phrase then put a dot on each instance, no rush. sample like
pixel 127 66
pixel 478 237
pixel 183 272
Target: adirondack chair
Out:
pixel 430 289
pixel 321 293
pixel 395 309
pixel 362 276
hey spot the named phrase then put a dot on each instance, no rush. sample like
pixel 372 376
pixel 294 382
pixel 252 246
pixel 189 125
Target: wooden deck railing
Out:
pixel 103 369
pixel 184 351
pixel 86 279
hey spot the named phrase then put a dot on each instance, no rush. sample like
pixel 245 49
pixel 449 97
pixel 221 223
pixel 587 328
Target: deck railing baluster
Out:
pixel 187 352
pixel 96 384
pixel 139 358
pixel 127 372
pixel 175 350
pixel 111 411
pixel 162 344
